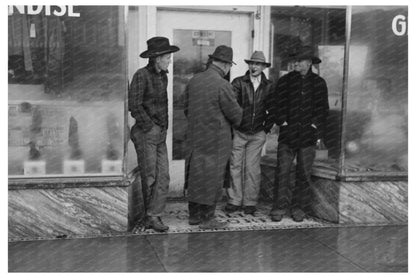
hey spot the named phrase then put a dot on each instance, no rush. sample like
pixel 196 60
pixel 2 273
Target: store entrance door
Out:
pixel 197 34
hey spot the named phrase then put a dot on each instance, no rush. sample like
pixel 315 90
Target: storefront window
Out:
pixel 66 91
pixel 376 117
pixel 324 30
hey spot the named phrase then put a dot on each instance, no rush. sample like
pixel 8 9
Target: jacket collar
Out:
pixel 264 80
pixel 152 68
pixel 308 74
pixel 217 69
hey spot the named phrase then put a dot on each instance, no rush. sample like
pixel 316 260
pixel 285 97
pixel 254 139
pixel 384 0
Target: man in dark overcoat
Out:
pixel 301 99
pixel 211 108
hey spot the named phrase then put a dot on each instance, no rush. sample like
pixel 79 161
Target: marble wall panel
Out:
pixel 373 202
pixel 381 202
pixel 51 213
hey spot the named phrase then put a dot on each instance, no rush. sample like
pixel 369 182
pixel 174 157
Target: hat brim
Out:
pixel 222 60
pixel 150 54
pixel 254 61
pixel 315 60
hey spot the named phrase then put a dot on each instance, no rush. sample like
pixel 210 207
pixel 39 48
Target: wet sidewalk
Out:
pixel 320 249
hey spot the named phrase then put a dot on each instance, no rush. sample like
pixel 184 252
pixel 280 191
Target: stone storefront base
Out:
pixel 375 202
pixel 64 212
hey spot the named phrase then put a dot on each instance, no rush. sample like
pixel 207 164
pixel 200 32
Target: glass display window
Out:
pixel 364 53
pixel 66 88
pixel 323 29
pixel 376 131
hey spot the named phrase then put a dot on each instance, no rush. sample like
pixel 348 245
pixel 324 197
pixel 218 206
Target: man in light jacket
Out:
pixel 253 92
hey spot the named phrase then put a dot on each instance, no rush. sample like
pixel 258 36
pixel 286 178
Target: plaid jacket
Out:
pixel 148 99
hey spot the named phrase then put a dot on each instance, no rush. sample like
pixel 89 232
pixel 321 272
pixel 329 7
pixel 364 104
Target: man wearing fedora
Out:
pixel 211 109
pixel 148 105
pixel 301 99
pixel 253 91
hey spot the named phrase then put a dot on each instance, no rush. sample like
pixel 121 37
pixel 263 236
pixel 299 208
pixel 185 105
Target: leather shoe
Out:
pixel 231 208
pixel 155 223
pixel 277 217
pixel 298 215
pixel 212 224
pixel 277 214
pixel 194 221
pixel 249 210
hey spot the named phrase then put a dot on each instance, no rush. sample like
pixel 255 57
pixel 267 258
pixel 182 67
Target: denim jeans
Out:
pixel 284 196
pixel 152 159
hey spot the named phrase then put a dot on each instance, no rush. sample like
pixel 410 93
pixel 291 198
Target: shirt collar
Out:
pixel 152 68
pixel 255 79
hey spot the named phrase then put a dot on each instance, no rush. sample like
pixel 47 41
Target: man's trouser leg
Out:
pixel 282 190
pixel 153 161
pixel 138 192
pixel 208 212
pixel 252 169
pixel 301 192
pixel 137 211
pixel 160 188
pixel 194 210
pixel 235 191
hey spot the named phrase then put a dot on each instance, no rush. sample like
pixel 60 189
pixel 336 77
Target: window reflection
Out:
pixel 376 121
pixel 323 29
pixel 67 85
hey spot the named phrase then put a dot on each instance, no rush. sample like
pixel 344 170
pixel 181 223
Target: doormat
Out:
pixel 176 217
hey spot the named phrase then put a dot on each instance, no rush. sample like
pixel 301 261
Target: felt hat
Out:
pixel 258 57
pixel 223 53
pixel 157 46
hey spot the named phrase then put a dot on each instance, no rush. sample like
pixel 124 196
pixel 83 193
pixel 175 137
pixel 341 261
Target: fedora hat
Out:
pixel 157 46
pixel 258 57
pixel 223 53
pixel 305 52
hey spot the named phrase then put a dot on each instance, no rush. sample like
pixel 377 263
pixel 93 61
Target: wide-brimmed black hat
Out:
pixel 157 46
pixel 258 57
pixel 223 53
pixel 305 52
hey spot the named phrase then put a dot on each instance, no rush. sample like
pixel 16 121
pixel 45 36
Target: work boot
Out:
pixel 249 210
pixel 277 217
pixel 277 214
pixel 230 208
pixel 298 215
pixel 194 220
pixel 155 223
pixel 212 224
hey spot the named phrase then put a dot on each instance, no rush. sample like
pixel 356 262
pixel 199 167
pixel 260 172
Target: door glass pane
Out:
pixel 376 120
pixel 195 47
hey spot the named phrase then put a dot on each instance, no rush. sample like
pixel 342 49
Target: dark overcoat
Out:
pixel 211 108
pixel 301 102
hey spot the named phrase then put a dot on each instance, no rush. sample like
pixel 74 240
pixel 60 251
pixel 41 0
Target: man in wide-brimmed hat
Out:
pixel 301 110
pixel 211 108
pixel 148 105
pixel 253 92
